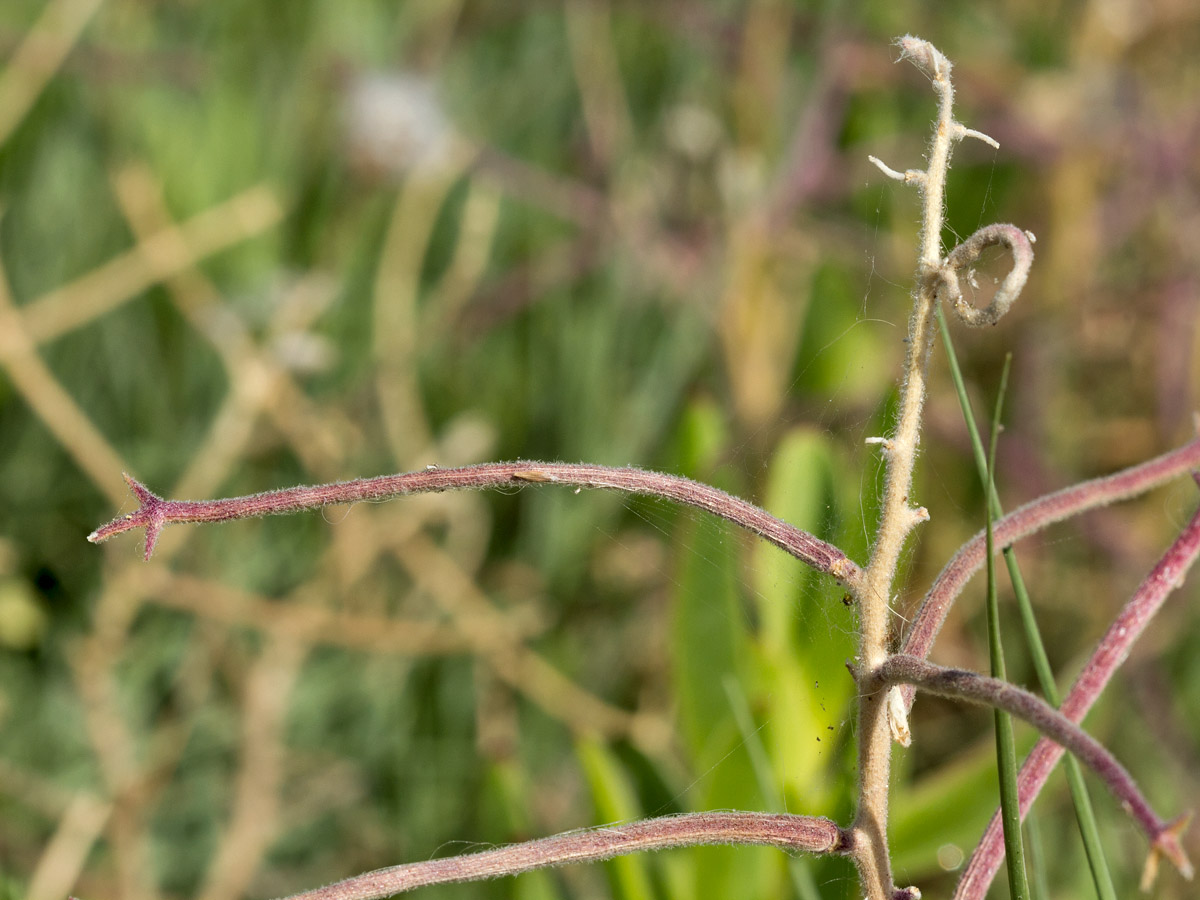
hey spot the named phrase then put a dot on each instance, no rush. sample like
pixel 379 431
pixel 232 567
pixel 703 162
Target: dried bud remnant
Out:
pixel 925 56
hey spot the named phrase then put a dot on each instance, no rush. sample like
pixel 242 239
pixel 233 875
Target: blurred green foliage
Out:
pixel 621 232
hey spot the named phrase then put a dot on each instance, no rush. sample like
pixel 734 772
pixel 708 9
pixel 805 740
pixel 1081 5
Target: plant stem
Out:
pixel 1167 575
pixel 1031 518
pixel 1085 817
pixel 808 834
pixel 976 688
pixel 898 516
pixel 154 512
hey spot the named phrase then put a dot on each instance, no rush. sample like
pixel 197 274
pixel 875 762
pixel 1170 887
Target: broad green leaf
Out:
pixel 507 796
pixel 842 354
pixel 616 801
pixel 703 436
pixel 948 809
pixel 798 492
pixel 710 644
pixel 709 635
pixel 801 651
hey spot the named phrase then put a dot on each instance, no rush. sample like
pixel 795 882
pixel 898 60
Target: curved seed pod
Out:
pixel 967 253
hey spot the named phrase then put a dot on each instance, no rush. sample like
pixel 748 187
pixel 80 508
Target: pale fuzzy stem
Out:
pixel 787 832
pixel 1027 520
pixel 976 688
pixel 154 512
pixel 980 136
pixel 898 516
pixel 1111 652
pixel 910 175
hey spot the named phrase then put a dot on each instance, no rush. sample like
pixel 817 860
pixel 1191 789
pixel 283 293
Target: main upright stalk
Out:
pixel 899 516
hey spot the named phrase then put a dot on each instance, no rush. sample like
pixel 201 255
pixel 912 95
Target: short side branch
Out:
pixel 795 833
pixel 967 253
pixel 976 688
pixel 154 512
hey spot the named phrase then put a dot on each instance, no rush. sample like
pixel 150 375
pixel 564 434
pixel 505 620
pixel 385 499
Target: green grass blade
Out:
pixel 616 801
pixel 1084 815
pixel 1006 754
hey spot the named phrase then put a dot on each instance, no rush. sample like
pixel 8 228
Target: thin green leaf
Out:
pixel 1006 754
pixel 1084 815
pixel 616 802
pixel 507 796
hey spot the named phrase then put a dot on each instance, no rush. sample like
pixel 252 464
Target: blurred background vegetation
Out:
pixel 248 245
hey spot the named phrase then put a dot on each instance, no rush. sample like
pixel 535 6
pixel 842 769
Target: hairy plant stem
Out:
pixel 899 516
pixel 1029 519
pixel 878 673
pixel 1088 830
pixel 788 832
pixel 1110 653
pixel 154 512
pixel 998 694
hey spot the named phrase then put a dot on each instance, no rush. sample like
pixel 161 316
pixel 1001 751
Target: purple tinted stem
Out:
pixel 155 512
pixel 1028 519
pixel 976 688
pixel 788 832
pixel 1112 650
